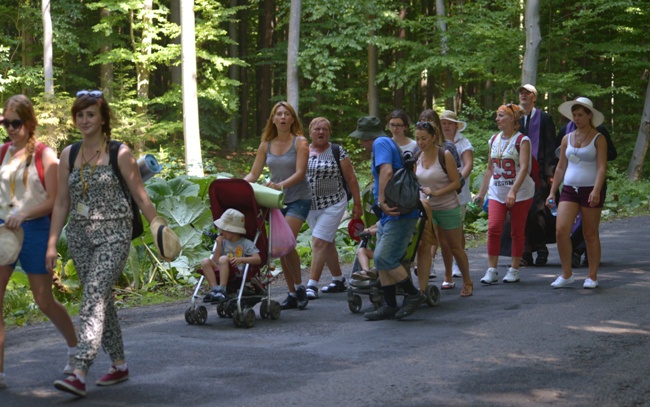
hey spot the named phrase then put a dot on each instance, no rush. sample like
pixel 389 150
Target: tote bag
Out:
pixel 282 239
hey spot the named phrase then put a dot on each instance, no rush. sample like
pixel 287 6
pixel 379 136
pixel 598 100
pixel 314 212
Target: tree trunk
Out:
pixel 442 26
pixel 244 87
pixel 293 95
pixel 264 82
pixel 47 48
pixel 398 99
pixel 233 49
pixel 175 17
pixel 533 41
pixel 193 161
pixel 106 70
pixel 642 138
pixel 373 92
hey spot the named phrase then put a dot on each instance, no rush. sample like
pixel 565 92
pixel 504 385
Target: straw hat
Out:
pixel 368 128
pixel 165 239
pixel 11 242
pixel 232 221
pixel 451 116
pixel 565 108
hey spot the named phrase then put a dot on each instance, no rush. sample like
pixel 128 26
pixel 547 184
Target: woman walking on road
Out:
pixel 285 150
pixel 582 168
pixel 27 191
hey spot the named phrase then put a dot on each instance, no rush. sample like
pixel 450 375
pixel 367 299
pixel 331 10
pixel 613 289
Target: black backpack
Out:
pixel 337 156
pixel 113 148
pixel 403 189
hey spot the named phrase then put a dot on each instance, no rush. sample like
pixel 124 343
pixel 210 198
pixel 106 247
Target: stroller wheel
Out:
pixel 264 310
pixel 355 303
pixel 189 316
pixel 433 295
pixel 248 318
pixel 221 311
pixel 200 315
pixel 275 310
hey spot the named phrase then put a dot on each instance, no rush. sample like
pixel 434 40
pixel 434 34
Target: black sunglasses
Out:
pixel 16 124
pixel 93 93
pixel 425 126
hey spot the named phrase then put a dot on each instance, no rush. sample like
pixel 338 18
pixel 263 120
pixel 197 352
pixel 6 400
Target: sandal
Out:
pixel 468 290
pixel 360 275
pixel 372 274
pixel 447 285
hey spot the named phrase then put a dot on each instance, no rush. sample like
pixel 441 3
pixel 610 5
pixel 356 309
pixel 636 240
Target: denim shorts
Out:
pixel 32 254
pixel 297 209
pixel 393 237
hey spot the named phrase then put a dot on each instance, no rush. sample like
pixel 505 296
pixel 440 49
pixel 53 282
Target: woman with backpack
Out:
pixel 27 191
pixel 511 190
pixel 99 233
pixel 440 200
pixel 329 169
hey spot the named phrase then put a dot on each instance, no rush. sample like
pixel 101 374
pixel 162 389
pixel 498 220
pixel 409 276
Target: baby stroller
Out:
pixel 252 285
pixel 372 288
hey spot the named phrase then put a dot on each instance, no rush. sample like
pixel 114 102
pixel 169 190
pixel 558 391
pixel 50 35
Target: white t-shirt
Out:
pixel 505 164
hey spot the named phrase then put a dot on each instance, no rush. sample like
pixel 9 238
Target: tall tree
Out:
pixel 293 86
pixel 533 41
pixel 47 48
pixel 642 138
pixel 193 161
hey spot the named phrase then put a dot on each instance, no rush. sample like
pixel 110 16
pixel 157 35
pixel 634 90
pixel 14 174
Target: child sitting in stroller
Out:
pixel 232 250
pixel 364 255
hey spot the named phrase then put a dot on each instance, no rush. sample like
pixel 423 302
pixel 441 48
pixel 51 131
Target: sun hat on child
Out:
pixel 11 242
pixel 232 221
pixel 565 108
pixel 451 116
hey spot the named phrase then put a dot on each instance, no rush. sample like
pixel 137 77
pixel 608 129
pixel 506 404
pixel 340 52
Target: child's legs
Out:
pixel 364 256
pixel 208 266
pixel 224 271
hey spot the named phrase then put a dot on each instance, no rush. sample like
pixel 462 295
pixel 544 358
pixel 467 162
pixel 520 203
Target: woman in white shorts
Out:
pixel 328 203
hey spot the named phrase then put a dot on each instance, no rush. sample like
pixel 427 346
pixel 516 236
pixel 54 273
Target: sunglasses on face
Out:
pixel 93 93
pixel 16 124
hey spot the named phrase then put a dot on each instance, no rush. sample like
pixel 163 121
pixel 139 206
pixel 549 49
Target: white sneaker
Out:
pixel 455 271
pixel 512 276
pixel 490 276
pixel 562 282
pixel 589 283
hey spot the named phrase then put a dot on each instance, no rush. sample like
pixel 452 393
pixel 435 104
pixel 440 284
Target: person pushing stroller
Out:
pixel 233 249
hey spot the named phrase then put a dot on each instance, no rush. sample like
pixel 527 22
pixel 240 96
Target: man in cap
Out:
pixel 540 129
pixel 395 229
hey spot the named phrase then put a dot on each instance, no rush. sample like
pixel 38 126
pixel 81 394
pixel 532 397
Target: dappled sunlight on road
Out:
pixel 614 327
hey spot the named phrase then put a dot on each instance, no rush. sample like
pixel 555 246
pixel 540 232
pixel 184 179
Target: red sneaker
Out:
pixel 72 385
pixel 113 376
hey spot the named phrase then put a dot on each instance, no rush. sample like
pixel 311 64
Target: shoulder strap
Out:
pixel 518 141
pixel 3 151
pixel 399 150
pixel 113 150
pixel 337 156
pixel 441 158
pixel 492 140
pixel 74 150
pixel 38 161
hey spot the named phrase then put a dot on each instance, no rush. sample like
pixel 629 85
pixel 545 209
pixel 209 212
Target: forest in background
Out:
pixel 469 60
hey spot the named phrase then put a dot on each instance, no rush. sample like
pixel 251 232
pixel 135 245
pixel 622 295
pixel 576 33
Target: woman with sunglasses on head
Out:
pixel 285 150
pixel 440 199
pixel 27 191
pixel 99 234
pixel 511 190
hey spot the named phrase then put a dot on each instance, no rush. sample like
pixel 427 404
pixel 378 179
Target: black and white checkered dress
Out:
pixel 325 179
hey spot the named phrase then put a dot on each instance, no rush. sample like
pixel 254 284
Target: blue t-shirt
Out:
pixel 384 151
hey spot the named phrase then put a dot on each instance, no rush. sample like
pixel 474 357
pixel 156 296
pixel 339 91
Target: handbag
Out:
pixel 282 239
pixel 403 189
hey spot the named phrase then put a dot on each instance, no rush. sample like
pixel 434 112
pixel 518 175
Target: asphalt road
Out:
pixel 522 344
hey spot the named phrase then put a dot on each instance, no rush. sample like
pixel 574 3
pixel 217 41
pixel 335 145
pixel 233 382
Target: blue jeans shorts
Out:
pixel 32 254
pixel 297 209
pixel 393 237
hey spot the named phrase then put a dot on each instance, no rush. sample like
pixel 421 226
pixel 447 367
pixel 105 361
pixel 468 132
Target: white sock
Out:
pixel 72 350
pixel 81 378
pixel 338 278
pixel 121 368
pixel 295 286
pixel 312 282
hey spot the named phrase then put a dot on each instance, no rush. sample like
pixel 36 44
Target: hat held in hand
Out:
pixel 11 242
pixel 165 239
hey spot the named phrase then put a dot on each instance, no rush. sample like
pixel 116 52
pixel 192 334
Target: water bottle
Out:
pixel 553 207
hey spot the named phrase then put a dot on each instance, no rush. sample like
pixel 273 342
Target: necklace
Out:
pixel 14 174
pixel 579 142
pixel 83 159
pixel 84 185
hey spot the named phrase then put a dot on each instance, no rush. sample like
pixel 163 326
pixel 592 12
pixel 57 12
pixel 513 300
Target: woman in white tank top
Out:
pixel 582 168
